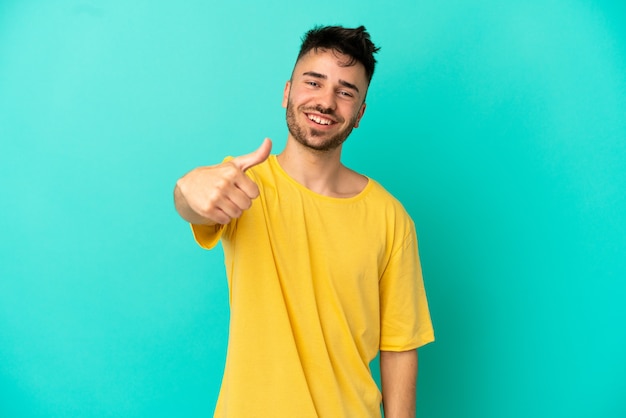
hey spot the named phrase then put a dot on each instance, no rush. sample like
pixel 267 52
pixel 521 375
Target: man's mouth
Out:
pixel 319 119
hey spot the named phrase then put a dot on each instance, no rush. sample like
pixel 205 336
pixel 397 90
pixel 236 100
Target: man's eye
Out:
pixel 345 93
pixel 312 83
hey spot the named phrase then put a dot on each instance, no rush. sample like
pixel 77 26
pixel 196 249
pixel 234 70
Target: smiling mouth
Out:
pixel 320 120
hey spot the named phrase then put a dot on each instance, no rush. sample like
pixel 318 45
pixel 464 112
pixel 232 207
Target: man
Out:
pixel 322 262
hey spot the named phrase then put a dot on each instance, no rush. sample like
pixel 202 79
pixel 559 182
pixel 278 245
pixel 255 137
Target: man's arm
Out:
pixel 217 194
pixel 398 373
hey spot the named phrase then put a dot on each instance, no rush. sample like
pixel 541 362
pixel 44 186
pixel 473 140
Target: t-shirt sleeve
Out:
pixel 405 318
pixel 207 236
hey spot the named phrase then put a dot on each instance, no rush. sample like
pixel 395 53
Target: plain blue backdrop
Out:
pixel 501 126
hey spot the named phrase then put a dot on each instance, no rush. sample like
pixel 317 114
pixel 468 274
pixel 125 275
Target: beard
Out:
pixel 300 134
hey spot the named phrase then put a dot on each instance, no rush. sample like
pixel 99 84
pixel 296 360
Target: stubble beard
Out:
pixel 300 134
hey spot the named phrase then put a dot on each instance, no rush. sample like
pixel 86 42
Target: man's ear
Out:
pixel 360 115
pixel 286 93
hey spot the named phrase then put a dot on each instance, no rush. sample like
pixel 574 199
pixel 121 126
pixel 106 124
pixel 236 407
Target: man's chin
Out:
pixel 322 145
pixel 317 140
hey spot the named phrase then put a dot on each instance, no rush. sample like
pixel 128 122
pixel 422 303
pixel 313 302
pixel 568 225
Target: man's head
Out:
pixel 325 97
pixel 355 43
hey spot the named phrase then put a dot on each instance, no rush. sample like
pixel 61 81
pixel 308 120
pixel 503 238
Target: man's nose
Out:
pixel 327 101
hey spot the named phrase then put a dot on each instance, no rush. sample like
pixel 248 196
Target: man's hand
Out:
pixel 216 194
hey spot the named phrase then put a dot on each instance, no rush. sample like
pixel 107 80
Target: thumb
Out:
pixel 244 162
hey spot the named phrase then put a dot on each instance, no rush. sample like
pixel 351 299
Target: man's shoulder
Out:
pixel 383 198
pixel 383 193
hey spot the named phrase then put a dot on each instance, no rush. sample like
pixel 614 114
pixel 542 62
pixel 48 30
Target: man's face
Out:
pixel 324 99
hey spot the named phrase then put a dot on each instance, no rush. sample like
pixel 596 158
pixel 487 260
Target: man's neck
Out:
pixel 320 171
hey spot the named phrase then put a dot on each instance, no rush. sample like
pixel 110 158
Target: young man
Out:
pixel 322 262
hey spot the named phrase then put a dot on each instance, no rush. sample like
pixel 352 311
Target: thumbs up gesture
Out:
pixel 217 194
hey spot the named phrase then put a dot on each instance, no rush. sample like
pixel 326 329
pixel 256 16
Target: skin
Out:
pixel 335 109
pixel 324 101
pixel 216 194
pixel 398 375
pixel 323 88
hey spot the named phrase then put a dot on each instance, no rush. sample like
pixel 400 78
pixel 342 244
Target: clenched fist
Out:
pixel 216 194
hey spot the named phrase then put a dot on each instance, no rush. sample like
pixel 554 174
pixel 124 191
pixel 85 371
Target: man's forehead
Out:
pixel 322 57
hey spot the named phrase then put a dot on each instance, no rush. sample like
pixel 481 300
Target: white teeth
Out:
pixel 319 120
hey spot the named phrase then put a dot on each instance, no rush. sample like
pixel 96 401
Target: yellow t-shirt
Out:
pixel 317 286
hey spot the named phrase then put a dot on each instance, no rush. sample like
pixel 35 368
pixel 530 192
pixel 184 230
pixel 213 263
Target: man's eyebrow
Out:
pixel 349 85
pixel 316 75
pixel 324 77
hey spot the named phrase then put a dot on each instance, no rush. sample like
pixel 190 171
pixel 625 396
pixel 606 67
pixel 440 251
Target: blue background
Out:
pixel 500 125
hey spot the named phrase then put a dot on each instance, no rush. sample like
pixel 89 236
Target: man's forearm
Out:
pixel 398 371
